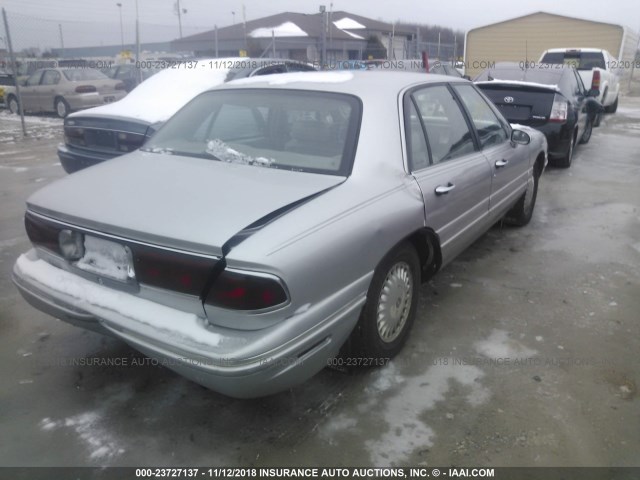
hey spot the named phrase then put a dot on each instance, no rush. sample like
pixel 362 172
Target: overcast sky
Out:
pixel 93 16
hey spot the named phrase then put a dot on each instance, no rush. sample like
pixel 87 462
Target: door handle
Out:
pixel 501 163
pixel 444 189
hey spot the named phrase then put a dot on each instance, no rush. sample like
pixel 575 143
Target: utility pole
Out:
pixel 323 37
pixel 215 33
pixel 14 68
pixel 180 12
pixel 121 31
pixel 61 40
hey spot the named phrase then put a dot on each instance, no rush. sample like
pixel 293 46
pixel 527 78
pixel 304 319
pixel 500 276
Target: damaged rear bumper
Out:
pixel 238 363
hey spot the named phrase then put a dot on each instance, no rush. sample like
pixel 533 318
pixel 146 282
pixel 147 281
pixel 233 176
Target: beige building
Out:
pixel 525 38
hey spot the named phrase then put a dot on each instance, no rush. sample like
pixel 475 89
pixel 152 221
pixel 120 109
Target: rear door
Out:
pixel 48 90
pixel 444 158
pixel 509 164
pixel 30 92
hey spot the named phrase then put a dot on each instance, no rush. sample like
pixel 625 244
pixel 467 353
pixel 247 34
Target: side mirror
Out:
pixel 519 137
pixel 594 92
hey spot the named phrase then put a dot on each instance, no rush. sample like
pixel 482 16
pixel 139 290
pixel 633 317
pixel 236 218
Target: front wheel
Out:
pixel 390 310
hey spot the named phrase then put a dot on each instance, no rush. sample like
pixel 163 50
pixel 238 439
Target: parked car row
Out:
pixel 95 135
pixel 272 222
pixel 238 185
pixel 552 100
pixel 61 90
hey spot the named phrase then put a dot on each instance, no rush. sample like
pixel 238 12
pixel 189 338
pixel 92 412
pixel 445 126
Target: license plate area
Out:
pixel 107 259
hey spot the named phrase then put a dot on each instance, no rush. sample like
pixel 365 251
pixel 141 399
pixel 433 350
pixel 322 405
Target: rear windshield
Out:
pixel 580 60
pixel 82 74
pixel 288 129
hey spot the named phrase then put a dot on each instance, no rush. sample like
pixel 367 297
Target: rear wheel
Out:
pixel 586 135
pixel 598 119
pixel 392 300
pixel 62 107
pixel 565 162
pixel 12 103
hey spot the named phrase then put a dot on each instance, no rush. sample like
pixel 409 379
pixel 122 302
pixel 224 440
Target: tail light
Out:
pixel 559 110
pixel 120 86
pixel 246 291
pixel 74 136
pixel 595 81
pixel 171 270
pixel 86 89
pixel 128 142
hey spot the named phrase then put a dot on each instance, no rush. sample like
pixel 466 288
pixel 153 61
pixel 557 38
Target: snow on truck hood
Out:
pixel 180 202
pixel 163 94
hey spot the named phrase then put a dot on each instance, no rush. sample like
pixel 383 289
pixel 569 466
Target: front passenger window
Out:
pixel 489 127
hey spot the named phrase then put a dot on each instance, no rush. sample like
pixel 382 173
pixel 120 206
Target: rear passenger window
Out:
pixel 491 130
pixel 416 143
pixel 448 135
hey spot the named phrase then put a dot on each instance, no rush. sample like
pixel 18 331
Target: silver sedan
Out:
pixel 276 222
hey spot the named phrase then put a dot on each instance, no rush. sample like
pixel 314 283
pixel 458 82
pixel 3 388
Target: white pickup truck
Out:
pixel 597 68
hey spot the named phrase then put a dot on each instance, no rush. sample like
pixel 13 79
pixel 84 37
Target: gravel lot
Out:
pixel 524 352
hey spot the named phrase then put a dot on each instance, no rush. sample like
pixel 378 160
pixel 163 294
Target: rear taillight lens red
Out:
pixel 243 291
pixel 176 271
pixel 120 86
pixel 42 234
pixel 86 89
pixel 559 110
pixel 595 81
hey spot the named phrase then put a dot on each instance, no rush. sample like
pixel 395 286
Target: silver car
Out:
pixel 62 90
pixel 275 222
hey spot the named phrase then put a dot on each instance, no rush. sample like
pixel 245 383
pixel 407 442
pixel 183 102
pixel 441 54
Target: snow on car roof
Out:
pixel 284 79
pixel 160 96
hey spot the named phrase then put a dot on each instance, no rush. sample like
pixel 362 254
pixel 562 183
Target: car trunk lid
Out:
pixel 187 203
pixel 521 102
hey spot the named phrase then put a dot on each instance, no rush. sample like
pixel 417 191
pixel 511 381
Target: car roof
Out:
pixel 356 82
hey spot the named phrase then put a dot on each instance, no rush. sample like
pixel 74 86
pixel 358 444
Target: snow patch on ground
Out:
pixel 89 429
pixel 412 397
pixel 499 345
pixel 400 401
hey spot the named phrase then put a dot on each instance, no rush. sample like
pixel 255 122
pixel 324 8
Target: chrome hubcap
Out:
pixel 394 303
pixel 61 109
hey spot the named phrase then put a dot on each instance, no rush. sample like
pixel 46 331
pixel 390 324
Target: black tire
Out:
pixel 586 135
pixel 613 107
pixel 521 213
pixel 12 105
pixel 598 119
pixel 565 162
pixel 397 278
pixel 62 107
